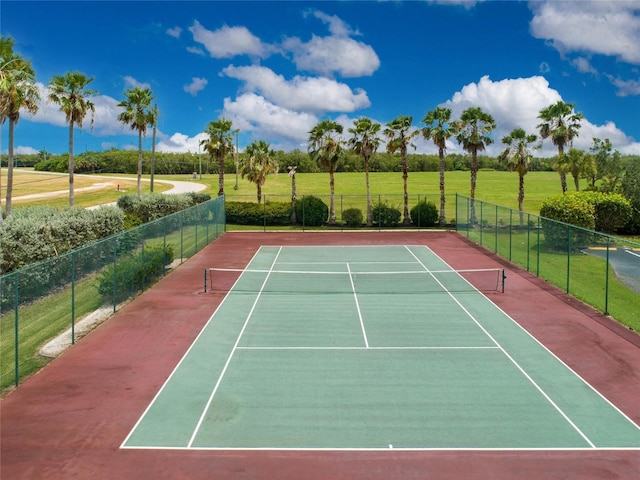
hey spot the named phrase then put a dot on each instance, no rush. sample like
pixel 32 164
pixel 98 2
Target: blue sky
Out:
pixel 277 68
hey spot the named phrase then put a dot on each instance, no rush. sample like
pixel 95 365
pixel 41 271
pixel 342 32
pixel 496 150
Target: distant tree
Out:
pixel 325 148
pixel 577 163
pixel 399 136
pixel 561 124
pixel 18 91
pixel 472 132
pixel 258 162
pixel 218 145
pixel 518 158
pixel 154 125
pixel 439 129
pixel 138 114
pixel 365 142
pixel 70 92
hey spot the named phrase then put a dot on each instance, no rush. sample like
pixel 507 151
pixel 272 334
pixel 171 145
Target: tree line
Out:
pixel 368 145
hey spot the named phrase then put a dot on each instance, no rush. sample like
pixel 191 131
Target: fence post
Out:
pixel 606 280
pixel 496 242
pixel 15 326
pixel 538 258
pixel 73 298
pixel 568 257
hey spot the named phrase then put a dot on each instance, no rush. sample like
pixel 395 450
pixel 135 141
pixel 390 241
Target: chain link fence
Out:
pixel 44 299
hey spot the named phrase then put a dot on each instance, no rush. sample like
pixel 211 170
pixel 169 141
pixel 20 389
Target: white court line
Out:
pixel 370 348
pixel 533 382
pixel 226 365
pixel 355 297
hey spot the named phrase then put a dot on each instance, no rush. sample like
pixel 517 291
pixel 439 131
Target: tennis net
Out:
pixel 485 280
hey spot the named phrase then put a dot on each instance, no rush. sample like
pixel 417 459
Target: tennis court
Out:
pixel 352 347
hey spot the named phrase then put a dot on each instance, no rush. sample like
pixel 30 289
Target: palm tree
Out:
pixel 70 92
pixel 138 114
pixel 561 124
pixel 154 124
pixel 399 135
pixel 292 175
pixel 259 162
pixel 439 129
pixel 472 132
pixel 365 142
pixel 577 163
pixel 18 91
pixel 325 148
pixel 218 144
pixel 518 158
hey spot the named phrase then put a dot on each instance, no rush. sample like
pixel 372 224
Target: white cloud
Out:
pixel 130 82
pixel 625 87
pixel 174 32
pixel 613 27
pixel 300 93
pixel 21 150
pixel 179 142
pixel 544 67
pixel 517 103
pixel 254 113
pixel 337 53
pixel 329 55
pixel 196 50
pixel 227 42
pixel 196 85
pixel 583 65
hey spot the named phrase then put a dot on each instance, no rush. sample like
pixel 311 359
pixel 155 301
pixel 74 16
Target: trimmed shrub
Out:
pixel 135 271
pixel 311 211
pixel 154 205
pixel 269 213
pixel 611 210
pixel 572 210
pixel 352 217
pixel 384 215
pixel 424 214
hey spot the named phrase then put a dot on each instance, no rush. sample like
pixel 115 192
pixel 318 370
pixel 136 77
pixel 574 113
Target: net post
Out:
pixel 504 277
pixel 205 280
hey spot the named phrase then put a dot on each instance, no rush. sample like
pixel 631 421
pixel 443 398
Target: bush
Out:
pixel 154 205
pixel 352 217
pixel 269 213
pixel 311 211
pixel 32 234
pixel 385 215
pixel 424 214
pixel 611 210
pixel 572 210
pixel 134 272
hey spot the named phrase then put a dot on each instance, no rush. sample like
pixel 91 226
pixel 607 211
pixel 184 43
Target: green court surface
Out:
pixel 371 348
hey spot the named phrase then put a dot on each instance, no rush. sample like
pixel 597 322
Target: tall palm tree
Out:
pixel 561 124
pixel 439 129
pixel 399 136
pixel 518 158
pixel 138 114
pixel 218 145
pixel 365 142
pixel 259 162
pixel 70 92
pixel 472 132
pixel 325 148
pixel 18 91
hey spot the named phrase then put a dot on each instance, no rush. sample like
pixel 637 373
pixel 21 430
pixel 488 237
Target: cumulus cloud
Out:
pixel 613 27
pixel 583 65
pixel 21 150
pixel 300 93
pixel 254 113
pixel 227 42
pixel 179 142
pixel 337 53
pixel 329 55
pixel 196 85
pixel 517 103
